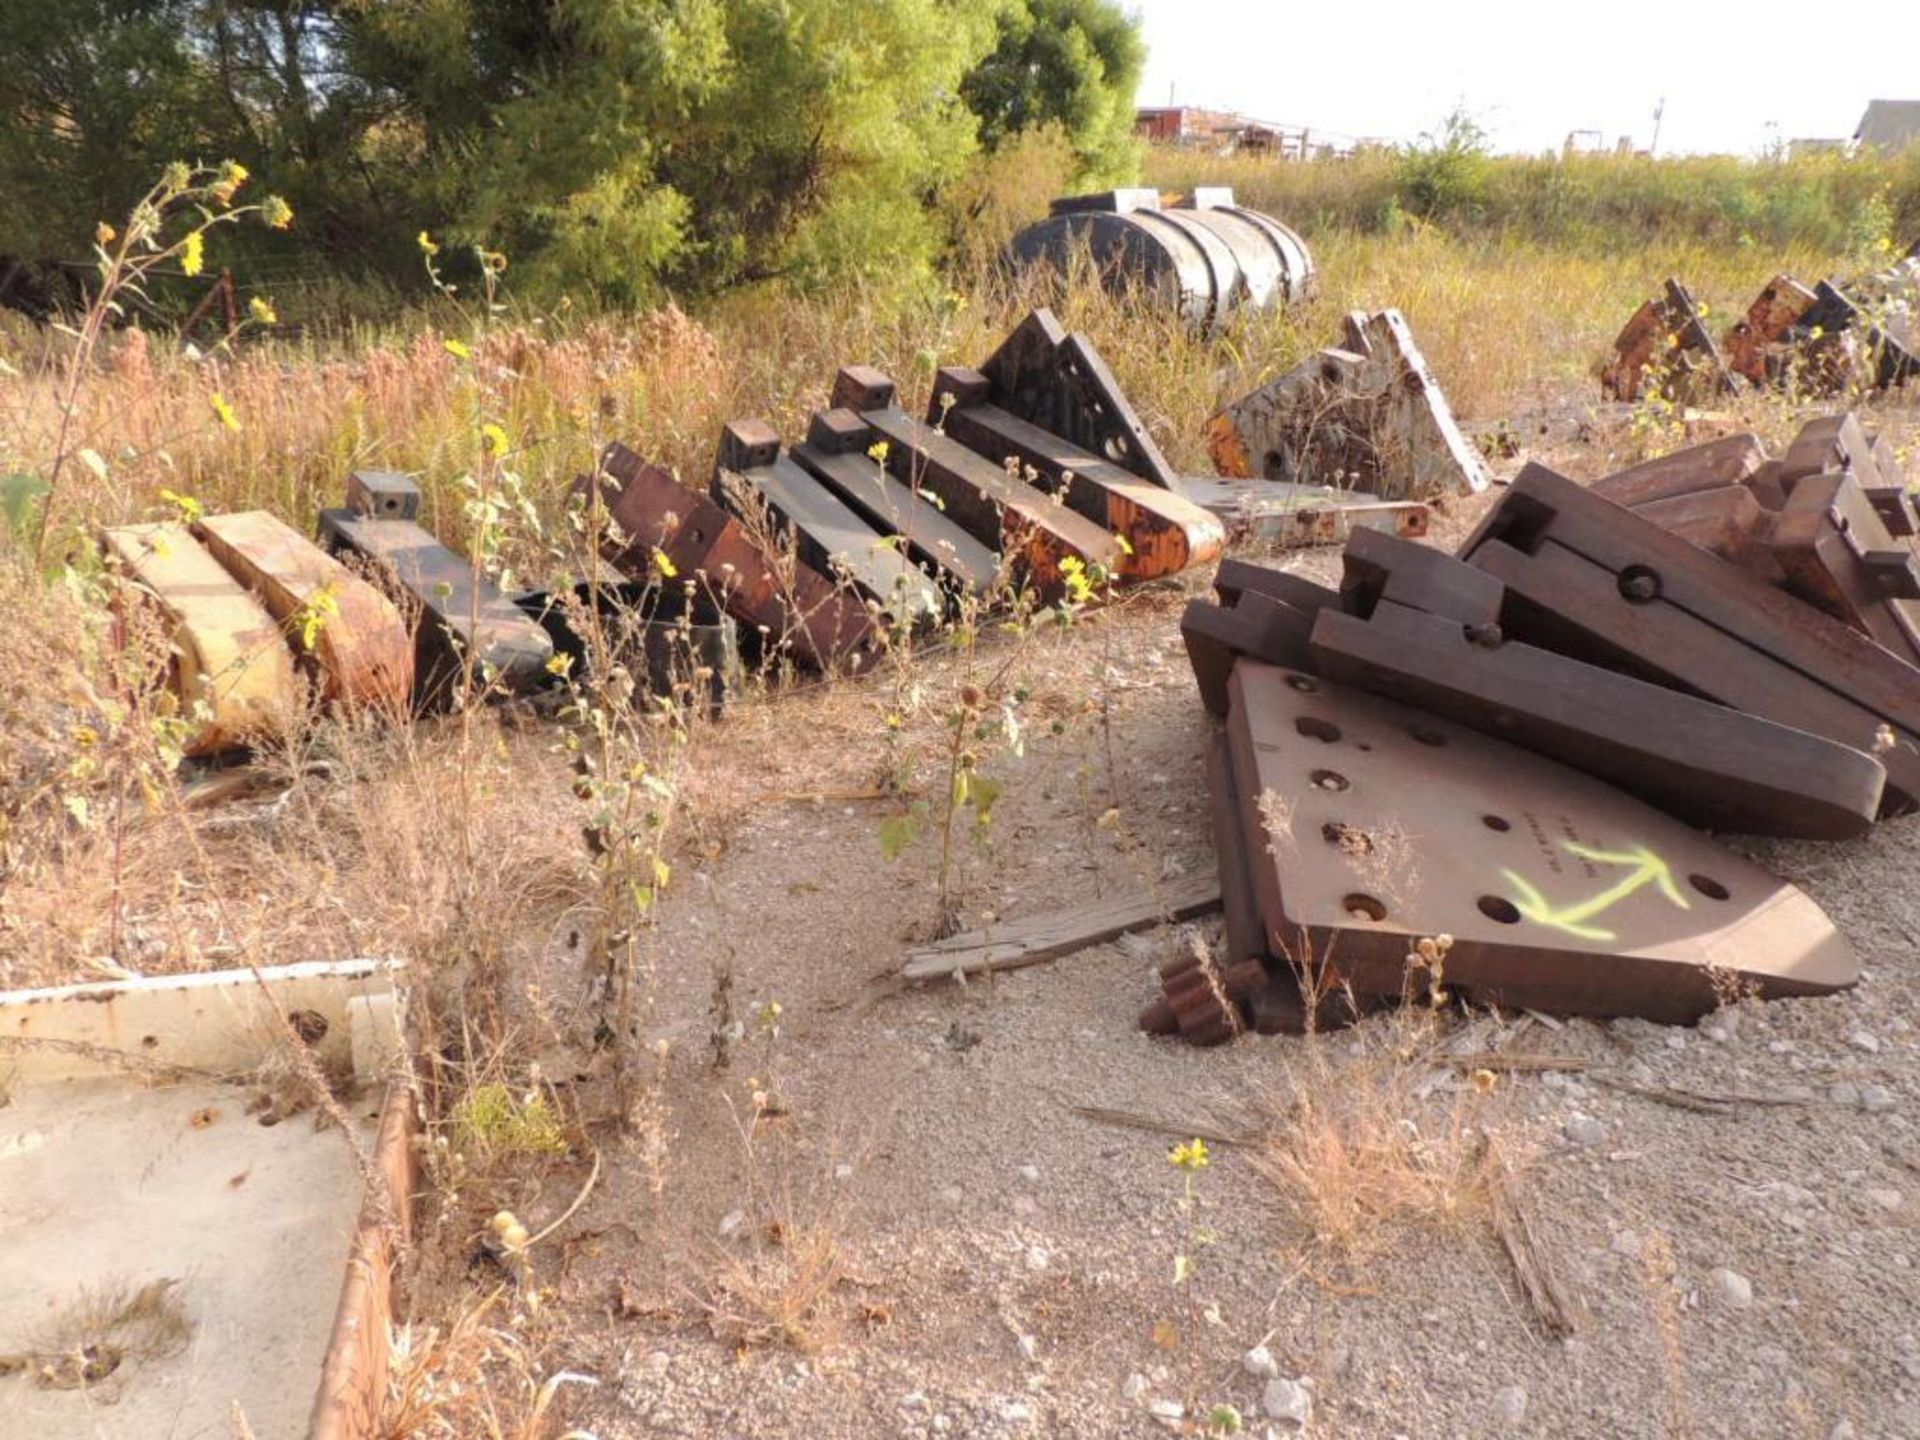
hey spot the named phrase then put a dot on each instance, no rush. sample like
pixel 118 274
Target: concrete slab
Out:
pixel 111 1183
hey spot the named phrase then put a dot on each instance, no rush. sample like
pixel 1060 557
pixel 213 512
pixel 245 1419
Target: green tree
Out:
pixel 1075 63
pixel 609 147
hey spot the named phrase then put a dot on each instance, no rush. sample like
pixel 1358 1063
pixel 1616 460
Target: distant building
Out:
pixel 1889 124
pixel 1183 125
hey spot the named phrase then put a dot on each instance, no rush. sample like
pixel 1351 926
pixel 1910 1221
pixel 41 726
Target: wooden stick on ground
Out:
pixel 1040 938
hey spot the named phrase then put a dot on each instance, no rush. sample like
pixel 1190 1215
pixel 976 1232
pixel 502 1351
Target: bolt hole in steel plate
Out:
pixel 1305 684
pixel 1639 584
pixel 1364 908
pixel 1602 910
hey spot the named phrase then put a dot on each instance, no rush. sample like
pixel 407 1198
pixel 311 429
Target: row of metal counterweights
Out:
pixel 1518 748
pixel 1027 475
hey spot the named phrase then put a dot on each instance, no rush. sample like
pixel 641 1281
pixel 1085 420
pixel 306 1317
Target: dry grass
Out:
pixel 778 1291
pixel 93 1340
pixel 1365 1160
pixel 475 1379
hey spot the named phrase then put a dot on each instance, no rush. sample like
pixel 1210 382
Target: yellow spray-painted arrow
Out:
pixel 1647 869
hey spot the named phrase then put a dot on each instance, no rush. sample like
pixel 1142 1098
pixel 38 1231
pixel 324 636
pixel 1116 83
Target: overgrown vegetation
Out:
pixel 1583 202
pixel 613 148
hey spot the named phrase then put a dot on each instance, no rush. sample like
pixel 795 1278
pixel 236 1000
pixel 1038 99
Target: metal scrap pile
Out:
pixel 1029 473
pixel 1836 336
pixel 1368 414
pixel 1204 257
pixel 1511 748
pixel 1026 472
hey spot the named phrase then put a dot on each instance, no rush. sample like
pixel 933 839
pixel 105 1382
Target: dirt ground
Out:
pixel 993 1261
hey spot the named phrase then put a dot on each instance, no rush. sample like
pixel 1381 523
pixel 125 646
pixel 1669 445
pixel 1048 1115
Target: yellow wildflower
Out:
pixel 457 349
pixel 262 310
pixel 492 437
pixel 663 564
pixel 194 256
pixel 224 411
pixel 277 214
pixel 878 450
pixel 426 244
pixel 104 234
pixel 1190 1156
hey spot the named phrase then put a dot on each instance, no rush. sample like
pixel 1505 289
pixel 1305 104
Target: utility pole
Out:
pixel 1658 111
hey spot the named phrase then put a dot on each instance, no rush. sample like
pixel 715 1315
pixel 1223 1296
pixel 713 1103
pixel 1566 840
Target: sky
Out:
pixel 1734 76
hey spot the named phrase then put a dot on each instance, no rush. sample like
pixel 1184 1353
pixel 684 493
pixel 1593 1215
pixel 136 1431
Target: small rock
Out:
pixel 1134 1389
pixel 913 1400
pixel 1510 1405
pixel 1676 1040
pixel 1287 1401
pixel 1016 1412
pixel 1843 1431
pixel 1037 1259
pixel 1843 1094
pixel 1584 1130
pixel 843 1172
pixel 1865 1040
pixel 1030 1174
pixel 1734 1290
pixel 732 1221
pixel 1628 1243
pixel 1023 1205
pixel 1168 1410
pixel 1886 1199
pixel 1876 1098
pixel 953 1195
pixel 1029 1347
pixel 1259 1362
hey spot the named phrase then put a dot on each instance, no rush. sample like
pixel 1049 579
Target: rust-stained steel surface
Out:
pixel 1165 532
pixel 358 640
pixel 1594 580
pixel 230 660
pixel 1728 460
pixel 829 536
pixel 1202 258
pixel 1707 764
pixel 467 631
pixel 1666 341
pixel 1560 892
pixel 1368 416
pixel 997 508
pixel 836 453
pixel 352 1400
pixel 779 599
pixel 1058 381
pixel 1291 516
pixel 1834 548
pixel 1756 347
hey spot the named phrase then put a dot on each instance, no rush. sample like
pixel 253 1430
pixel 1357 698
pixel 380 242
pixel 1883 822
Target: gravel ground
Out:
pixel 1743 1268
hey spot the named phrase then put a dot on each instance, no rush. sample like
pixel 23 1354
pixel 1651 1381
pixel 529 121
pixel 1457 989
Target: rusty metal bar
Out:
pixel 467 631
pixel 985 500
pixel 1058 381
pixel 779 601
pixel 1165 532
pixel 827 535
pixel 1728 460
pixel 836 453
pixel 1590 579
pixel 1707 764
